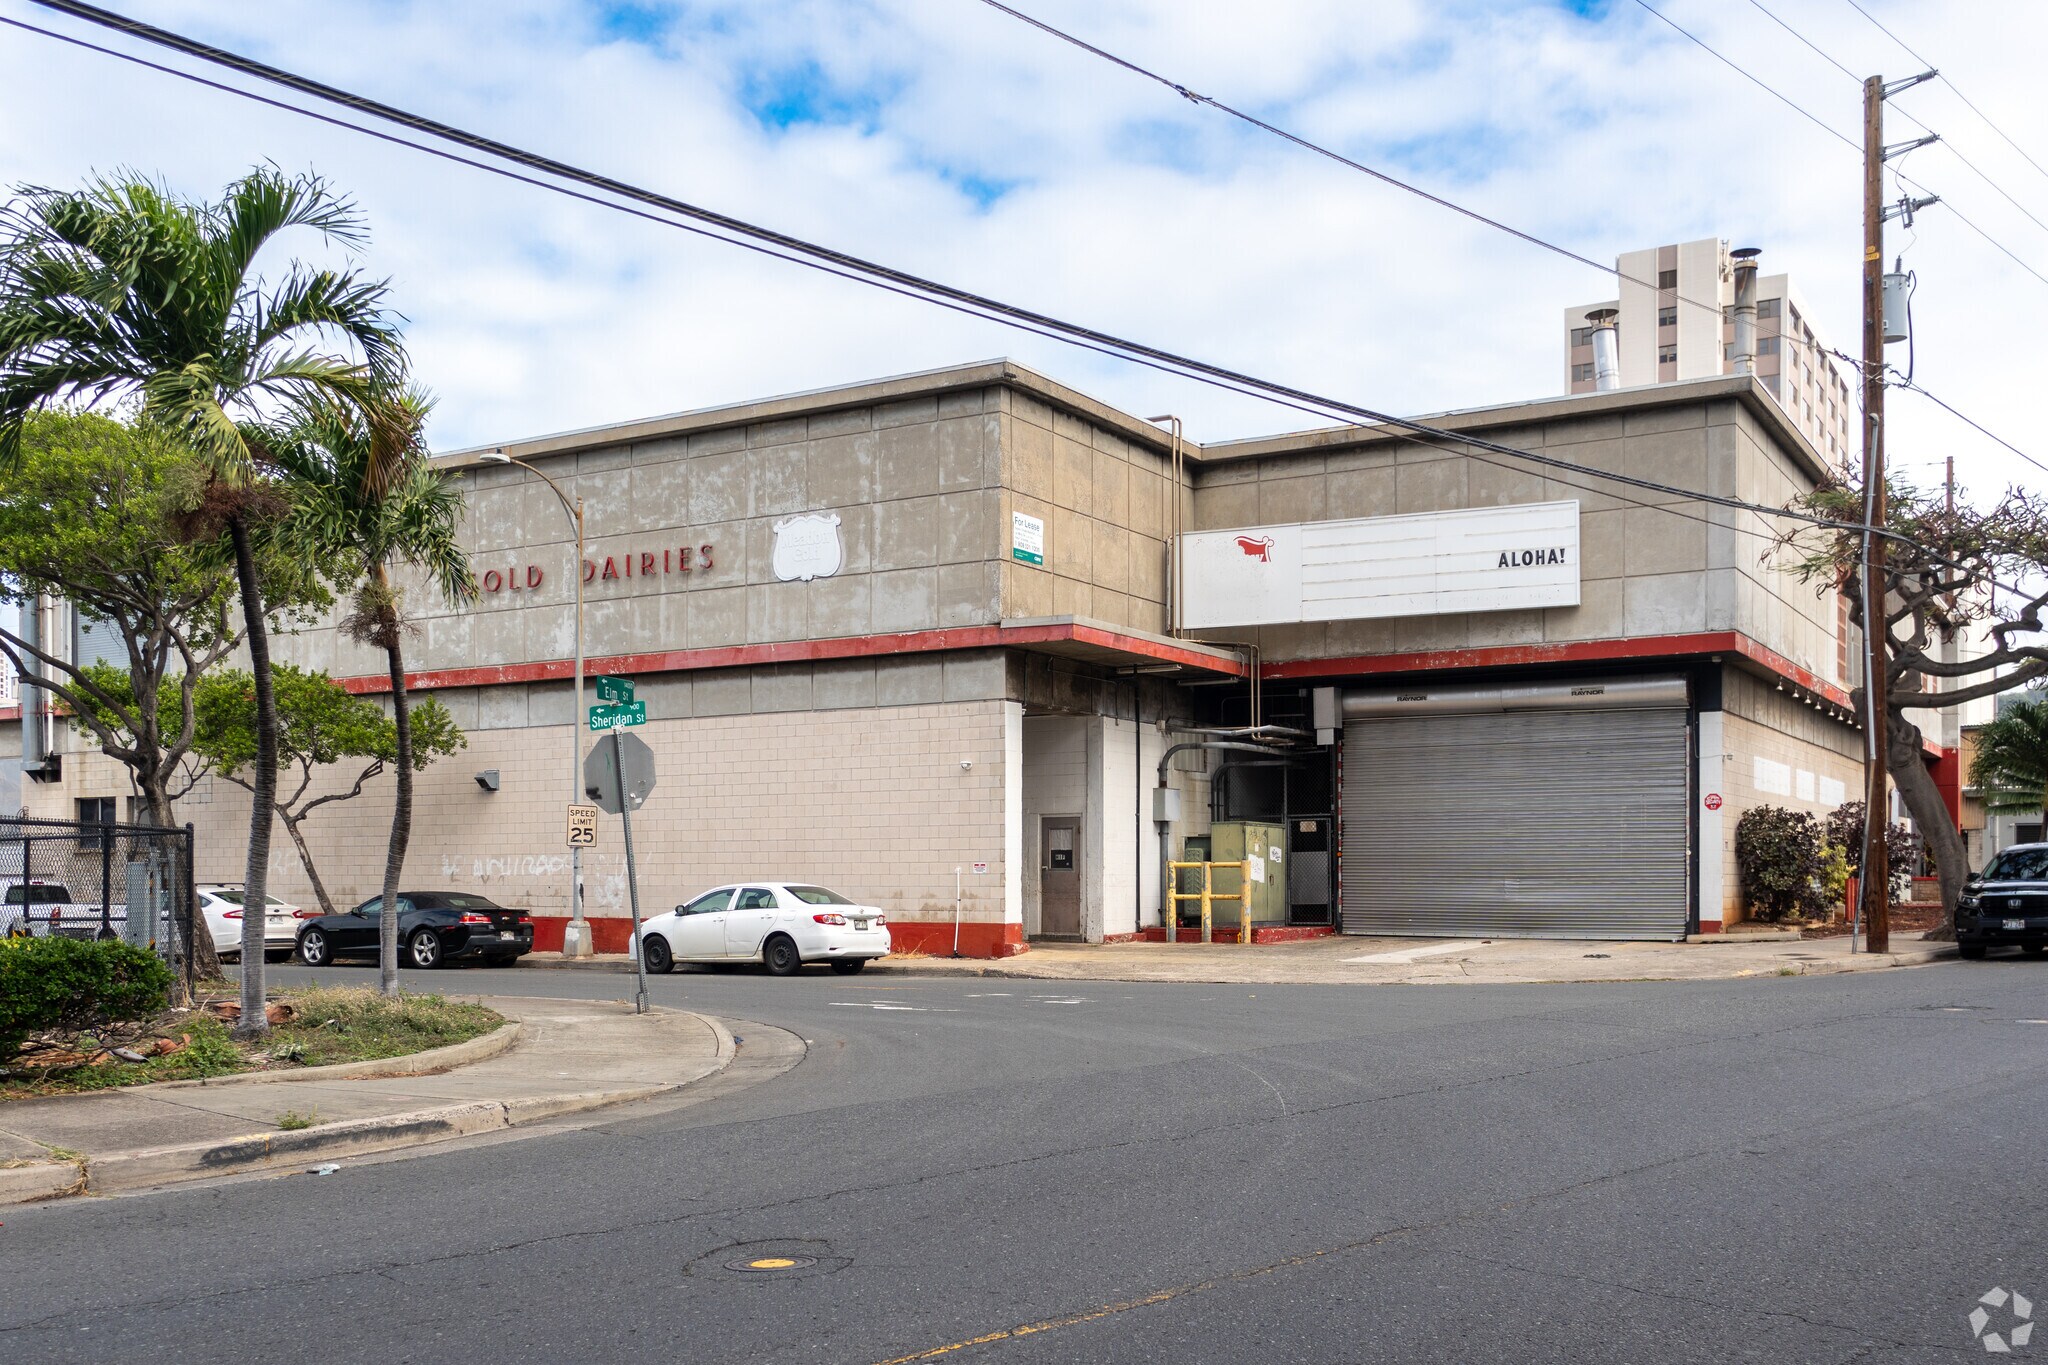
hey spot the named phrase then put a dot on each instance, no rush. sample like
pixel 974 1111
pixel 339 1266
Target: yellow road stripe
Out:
pixel 1163 1296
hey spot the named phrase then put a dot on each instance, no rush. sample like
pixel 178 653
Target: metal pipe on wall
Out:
pixel 1744 346
pixel 1173 523
pixel 34 753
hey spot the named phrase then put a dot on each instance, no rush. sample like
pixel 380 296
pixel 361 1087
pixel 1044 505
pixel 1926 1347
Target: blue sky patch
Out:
pixel 804 92
pixel 633 23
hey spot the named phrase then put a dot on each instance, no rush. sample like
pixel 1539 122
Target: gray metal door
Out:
pixel 1539 824
pixel 1059 877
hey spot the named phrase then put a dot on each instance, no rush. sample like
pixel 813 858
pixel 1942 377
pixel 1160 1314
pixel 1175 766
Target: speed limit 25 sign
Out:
pixel 582 826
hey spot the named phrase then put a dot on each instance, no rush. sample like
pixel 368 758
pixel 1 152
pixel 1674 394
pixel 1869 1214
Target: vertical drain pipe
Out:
pixel 1744 349
pixel 1173 520
pixel 34 753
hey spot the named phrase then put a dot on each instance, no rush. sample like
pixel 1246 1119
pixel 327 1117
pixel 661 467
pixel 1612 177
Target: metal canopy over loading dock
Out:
pixel 1553 810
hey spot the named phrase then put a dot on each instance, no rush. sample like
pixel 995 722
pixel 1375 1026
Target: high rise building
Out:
pixel 1679 324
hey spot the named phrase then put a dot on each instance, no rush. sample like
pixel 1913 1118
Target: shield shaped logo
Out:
pixel 807 547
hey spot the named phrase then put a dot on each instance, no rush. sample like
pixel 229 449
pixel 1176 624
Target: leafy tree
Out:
pixel 367 499
pixel 1951 574
pixel 2011 766
pixel 1778 856
pixel 92 512
pixel 122 291
pixel 320 724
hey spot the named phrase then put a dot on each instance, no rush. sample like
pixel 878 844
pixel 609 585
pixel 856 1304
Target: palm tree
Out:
pixel 367 499
pixel 121 291
pixel 2011 766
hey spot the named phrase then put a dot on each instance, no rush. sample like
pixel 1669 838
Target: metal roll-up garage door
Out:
pixel 1514 813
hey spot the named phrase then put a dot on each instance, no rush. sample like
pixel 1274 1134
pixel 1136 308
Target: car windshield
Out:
pixel 2019 865
pixel 818 895
pixel 44 893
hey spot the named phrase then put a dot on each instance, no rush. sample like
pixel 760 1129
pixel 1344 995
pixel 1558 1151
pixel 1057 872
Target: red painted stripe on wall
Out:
pixel 803 651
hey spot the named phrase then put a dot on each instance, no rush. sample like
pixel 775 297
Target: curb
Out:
pixel 497 1041
pixel 159 1166
pixel 41 1180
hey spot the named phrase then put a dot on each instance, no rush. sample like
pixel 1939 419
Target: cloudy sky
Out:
pixel 948 139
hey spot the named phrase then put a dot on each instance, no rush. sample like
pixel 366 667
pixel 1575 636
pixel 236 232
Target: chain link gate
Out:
pixel 87 880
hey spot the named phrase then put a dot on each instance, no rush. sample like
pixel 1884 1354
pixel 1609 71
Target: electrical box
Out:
pixel 1166 805
pixel 1898 292
pixel 1264 847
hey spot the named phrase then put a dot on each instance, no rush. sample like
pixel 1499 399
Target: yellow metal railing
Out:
pixel 1208 896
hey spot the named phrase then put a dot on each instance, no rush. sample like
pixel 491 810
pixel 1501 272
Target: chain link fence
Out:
pixel 87 880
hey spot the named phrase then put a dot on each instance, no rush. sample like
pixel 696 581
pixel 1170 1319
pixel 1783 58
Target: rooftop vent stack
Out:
pixel 1606 349
pixel 1744 352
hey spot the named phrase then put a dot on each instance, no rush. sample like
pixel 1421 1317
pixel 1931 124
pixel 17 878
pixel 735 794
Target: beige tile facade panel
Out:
pixel 1652 563
pixel 872 803
pixel 914 484
pixel 1746 740
pixel 1104 502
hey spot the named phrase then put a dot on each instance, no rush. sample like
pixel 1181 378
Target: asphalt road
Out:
pixel 1801 1169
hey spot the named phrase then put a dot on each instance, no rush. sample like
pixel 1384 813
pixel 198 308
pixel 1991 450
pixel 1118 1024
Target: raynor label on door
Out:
pixel 1433 563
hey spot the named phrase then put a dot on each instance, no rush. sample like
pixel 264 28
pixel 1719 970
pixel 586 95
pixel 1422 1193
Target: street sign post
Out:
pixel 606 717
pixel 582 826
pixel 615 689
pixel 618 775
pixel 601 773
pixel 626 805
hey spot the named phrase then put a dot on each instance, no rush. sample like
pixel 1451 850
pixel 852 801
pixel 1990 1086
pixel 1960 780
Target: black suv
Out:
pixel 2007 907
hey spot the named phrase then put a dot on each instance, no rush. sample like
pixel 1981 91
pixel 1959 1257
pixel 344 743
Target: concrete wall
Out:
pixel 913 482
pixel 1105 500
pixel 1652 564
pixel 1805 745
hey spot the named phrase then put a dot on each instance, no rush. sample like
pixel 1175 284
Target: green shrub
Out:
pixel 62 983
pixel 1902 848
pixel 1778 856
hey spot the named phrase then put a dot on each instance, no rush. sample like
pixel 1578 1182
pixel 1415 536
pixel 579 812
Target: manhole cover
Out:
pixel 768 1265
pixel 786 1258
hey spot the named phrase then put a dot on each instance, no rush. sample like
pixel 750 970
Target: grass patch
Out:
pixel 291 1120
pixel 329 1025
pixel 350 1024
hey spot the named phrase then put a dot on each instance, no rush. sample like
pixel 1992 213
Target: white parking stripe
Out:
pixel 1426 950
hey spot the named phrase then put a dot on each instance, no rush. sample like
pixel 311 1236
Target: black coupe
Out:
pixel 433 927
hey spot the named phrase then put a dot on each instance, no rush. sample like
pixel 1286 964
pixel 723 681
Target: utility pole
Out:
pixel 1876 878
pixel 1876 884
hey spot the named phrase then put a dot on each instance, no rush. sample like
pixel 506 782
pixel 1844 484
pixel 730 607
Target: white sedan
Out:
pixel 221 903
pixel 782 924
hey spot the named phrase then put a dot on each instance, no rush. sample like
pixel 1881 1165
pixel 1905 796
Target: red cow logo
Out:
pixel 1260 549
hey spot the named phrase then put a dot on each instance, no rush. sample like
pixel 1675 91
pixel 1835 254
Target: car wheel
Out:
pixel 426 949
pixel 313 949
pixel 1970 947
pixel 848 966
pixel 782 957
pixel 654 952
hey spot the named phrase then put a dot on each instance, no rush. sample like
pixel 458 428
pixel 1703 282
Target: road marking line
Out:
pixel 1427 950
pixel 1149 1300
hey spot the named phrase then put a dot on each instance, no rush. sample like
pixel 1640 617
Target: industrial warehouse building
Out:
pixel 933 641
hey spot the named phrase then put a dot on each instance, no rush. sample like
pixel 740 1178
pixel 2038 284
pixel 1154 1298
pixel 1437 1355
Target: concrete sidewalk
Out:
pixel 557 1057
pixel 1344 960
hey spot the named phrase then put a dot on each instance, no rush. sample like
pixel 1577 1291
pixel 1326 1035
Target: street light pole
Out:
pixel 576 934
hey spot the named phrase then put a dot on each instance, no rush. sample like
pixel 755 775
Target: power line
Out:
pixel 1351 163
pixel 1970 422
pixel 1906 114
pixel 798 251
pixel 1951 85
pixel 1829 129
